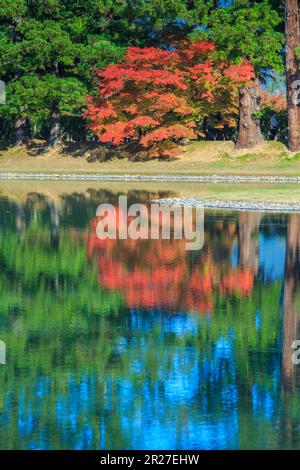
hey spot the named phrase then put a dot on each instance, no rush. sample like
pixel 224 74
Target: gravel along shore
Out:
pixel 124 177
pixel 230 205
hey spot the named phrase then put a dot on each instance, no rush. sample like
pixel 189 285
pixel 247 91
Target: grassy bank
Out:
pixel 200 158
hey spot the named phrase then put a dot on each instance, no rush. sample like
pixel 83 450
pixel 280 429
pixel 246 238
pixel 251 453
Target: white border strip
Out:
pixel 126 177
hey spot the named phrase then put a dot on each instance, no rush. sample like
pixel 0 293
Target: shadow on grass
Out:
pixel 95 152
pixel 91 151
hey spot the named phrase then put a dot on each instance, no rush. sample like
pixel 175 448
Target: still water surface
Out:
pixel 142 344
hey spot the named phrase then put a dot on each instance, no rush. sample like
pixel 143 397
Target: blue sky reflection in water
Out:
pixel 141 344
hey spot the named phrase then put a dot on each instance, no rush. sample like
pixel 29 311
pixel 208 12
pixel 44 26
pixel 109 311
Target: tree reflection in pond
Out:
pixel 141 344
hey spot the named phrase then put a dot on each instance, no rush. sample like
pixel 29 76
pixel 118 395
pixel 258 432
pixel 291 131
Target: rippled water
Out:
pixel 142 344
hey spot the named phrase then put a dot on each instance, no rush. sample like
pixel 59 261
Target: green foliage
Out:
pixel 246 29
pixel 258 115
pixel 62 42
pixel 47 56
pixel 279 132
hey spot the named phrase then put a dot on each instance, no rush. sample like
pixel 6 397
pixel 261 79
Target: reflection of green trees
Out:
pixel 255 325
pixel 83 370
pixel 52 291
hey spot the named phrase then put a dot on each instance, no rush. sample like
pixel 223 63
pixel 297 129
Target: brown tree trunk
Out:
pixel 54 136
pixel 292 73
pixel 20 132
pixel 249 127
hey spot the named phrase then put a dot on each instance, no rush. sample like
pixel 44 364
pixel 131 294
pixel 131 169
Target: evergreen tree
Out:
pixel 49 48
pixel 47 54
pixel 247 30
pixel 292 24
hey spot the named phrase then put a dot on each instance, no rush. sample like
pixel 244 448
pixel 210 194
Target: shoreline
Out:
pixel 130 177
pixel 230 205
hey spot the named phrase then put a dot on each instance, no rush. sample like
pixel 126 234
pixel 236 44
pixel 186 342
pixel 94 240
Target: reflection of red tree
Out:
pixel 149 286
pixel 158 273
pixel 199 292
pixel 239 282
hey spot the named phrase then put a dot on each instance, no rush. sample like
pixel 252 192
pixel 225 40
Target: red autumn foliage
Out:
pixel 240 72
pixel 159 98
pixel 239 282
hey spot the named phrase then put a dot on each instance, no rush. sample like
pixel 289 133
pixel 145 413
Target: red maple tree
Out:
pixel 159 98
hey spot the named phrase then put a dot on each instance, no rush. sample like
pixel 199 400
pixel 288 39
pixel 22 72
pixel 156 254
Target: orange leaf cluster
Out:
pixel 159 98
pixel 274 101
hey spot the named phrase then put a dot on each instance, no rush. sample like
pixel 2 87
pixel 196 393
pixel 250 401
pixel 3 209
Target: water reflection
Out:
pixel 141 344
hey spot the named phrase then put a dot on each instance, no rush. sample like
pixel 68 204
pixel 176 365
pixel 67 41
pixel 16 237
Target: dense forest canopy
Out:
pixel 52 55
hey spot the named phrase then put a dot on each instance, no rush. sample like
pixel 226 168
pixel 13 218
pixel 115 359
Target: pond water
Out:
pixel 139 344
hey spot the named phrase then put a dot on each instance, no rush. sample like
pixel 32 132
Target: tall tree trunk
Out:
pixel 249 127
pixel 292 72
pixel 54 136
pixel 20 131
